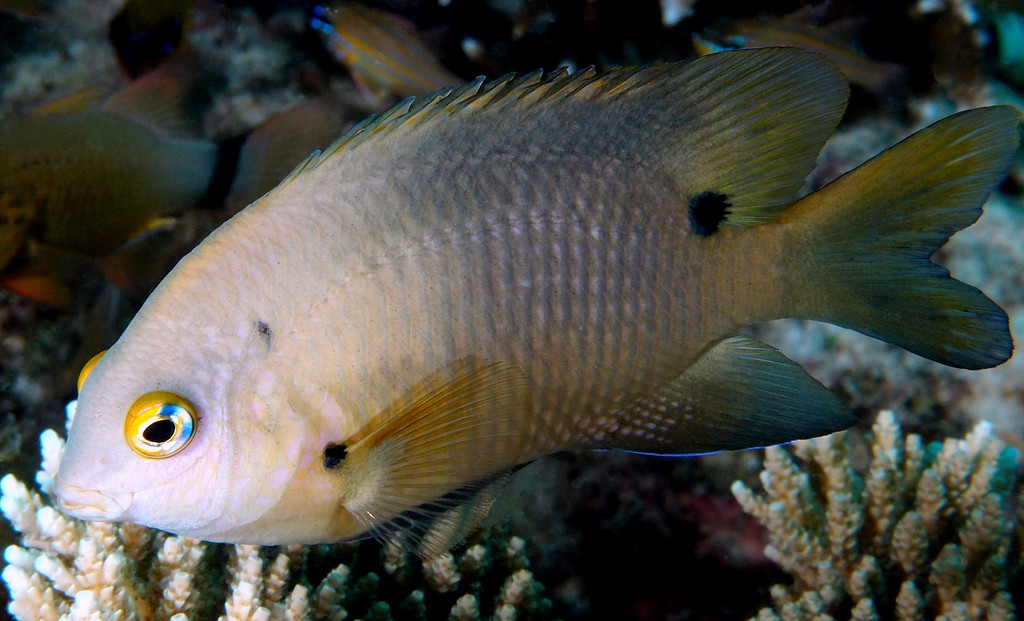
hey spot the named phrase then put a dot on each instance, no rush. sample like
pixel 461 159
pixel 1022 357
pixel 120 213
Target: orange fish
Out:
pixel 382 52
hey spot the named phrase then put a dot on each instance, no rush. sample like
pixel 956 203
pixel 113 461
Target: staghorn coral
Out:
pixel 67 569
pixel 929 532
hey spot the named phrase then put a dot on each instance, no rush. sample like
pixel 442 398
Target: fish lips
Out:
pixel 88 504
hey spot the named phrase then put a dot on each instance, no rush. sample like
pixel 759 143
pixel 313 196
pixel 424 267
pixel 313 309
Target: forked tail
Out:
pixel 862 245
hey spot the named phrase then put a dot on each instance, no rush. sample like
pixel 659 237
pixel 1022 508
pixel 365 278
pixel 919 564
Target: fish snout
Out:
pixel 89 504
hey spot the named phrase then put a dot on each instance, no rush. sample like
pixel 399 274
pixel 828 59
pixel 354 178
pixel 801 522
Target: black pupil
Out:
pixel 160 431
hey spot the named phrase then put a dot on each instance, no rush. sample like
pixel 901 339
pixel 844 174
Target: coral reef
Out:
pixel 926 532
pixel 68 569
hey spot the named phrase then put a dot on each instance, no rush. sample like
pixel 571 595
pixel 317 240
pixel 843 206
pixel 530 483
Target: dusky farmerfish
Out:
pixel 517 267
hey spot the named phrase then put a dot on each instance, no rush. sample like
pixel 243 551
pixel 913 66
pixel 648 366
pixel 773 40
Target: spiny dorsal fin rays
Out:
pixel 745 124
pixel 509 89
pixel 436 449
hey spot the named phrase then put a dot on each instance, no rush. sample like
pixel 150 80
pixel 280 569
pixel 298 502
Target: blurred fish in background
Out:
pixel 873 75
pixel 283 141
pixel 83 178
pixel 383 52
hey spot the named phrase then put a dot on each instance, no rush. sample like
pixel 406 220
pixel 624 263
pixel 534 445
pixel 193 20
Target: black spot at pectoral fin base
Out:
pixel 707 211
pixel 431 462
pixel 334 455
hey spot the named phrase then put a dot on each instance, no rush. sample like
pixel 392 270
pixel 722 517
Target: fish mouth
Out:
pixel 89 504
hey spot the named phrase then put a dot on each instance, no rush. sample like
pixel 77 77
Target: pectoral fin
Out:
pixel 426 470
pixel 435 527
pixel 740 394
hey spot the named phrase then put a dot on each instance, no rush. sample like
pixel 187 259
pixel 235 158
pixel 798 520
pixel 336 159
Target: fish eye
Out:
pixel 87 369
pixel 160 424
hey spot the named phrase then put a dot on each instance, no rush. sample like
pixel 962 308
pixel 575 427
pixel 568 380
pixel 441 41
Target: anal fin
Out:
pixel 740 394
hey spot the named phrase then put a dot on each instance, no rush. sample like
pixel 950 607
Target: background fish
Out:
pixel 524 266
pixel 284 140
pixel 84 179
pixel 874 75
pixel 383 53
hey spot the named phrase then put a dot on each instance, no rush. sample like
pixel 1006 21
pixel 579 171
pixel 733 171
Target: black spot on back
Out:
pixel 707 210
pixel 334 455
pixel 264 331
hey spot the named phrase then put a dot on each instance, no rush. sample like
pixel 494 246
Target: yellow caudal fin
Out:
pixel 864 259
pixel 425 472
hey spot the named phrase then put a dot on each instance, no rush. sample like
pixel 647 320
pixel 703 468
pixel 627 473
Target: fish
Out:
pixel 84 177
pixel 383 53
pixel 532 264
pixel 874 75
pixel 283 141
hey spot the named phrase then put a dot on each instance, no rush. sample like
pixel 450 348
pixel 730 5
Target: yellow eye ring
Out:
pixel 160 424
pixel 87 369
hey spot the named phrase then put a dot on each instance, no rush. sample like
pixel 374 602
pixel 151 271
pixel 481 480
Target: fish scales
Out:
pixel 417 275
pixel 519 224
pixel 472 281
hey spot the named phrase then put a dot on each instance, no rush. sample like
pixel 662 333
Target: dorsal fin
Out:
pixel 509 90
pixel 741 129
pixel 166 99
